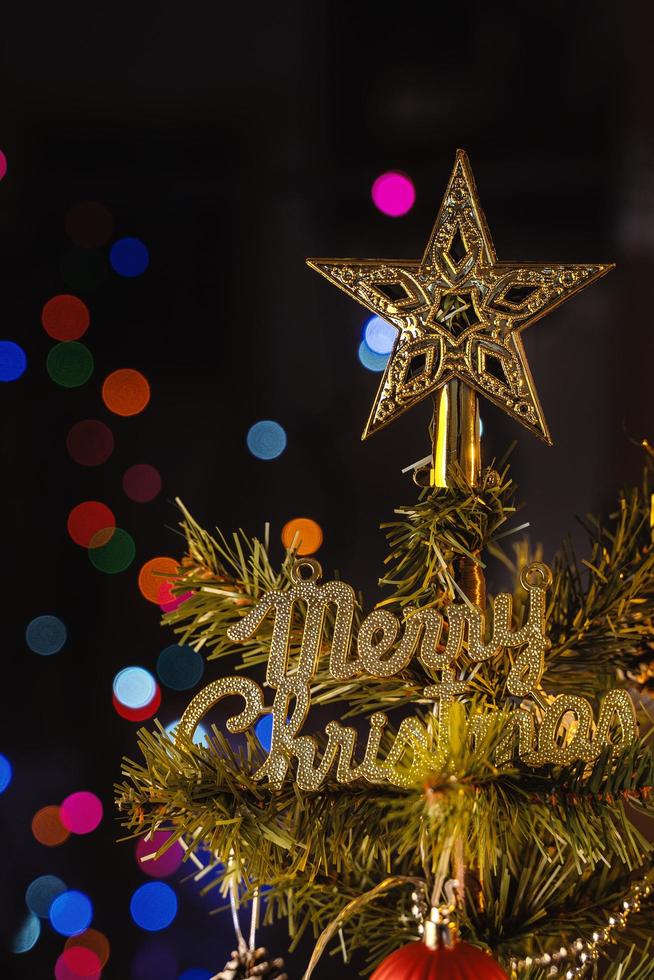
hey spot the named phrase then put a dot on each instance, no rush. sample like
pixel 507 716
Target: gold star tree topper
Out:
pixel 458 311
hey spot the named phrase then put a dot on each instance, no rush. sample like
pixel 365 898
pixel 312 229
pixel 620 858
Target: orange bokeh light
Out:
pixel 126 392
pixel 48 828
pixel 94 940
pixel 303 535
pixel 154 574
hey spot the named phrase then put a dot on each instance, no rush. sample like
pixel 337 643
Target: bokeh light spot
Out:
pixel 167 600
pixel 42 892
pixel 3 165
pixel 94 940
pixel 393 193
pixel 112 556
pixel 161 867
pixel 138 714
pixel 46 635
pixel 196 973
pixel 70 913
pixel 263 731
pixel 76 962
pixel 303 535
pixel 13 361
pixel 266 439
pixel 89 224
pixel 90 442
pixel 84 269
pixel 126 392
pixel 27 935
pixel 129 257
pixel 370 360
pixel 153 906
pixel 154 574
pixel 134 687
pixel 91 523
pixel 142 483
pixel 5 772
pixel 81 812
pixel 70 364
pixel 379 335
pixel 65 317
pixel 200 735
pixel 180 667
pixel 48 828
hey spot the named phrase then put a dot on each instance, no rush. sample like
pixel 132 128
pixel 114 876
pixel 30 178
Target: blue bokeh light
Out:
pixel 370 360
pixel 180 667
pixel 153 906
pixel 26 936
pixel 42 892
pixel 196 973
pixel 46 635
pixel 129 257
pixel 263 731
pixel 13 361
pixel 379 335
pixel 266 439
pixel 6 772
pixel 71 913
pixel 134 687
pixel 199 735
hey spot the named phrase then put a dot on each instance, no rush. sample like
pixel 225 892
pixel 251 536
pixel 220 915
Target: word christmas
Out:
pixel 566 728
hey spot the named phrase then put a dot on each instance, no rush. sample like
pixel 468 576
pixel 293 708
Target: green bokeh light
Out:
pixel 116 555
pixel 70 364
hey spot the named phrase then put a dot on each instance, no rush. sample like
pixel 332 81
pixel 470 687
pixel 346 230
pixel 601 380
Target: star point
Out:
pixel 458 311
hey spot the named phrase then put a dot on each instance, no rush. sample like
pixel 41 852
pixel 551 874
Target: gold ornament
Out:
pixel 458 311
pixel 567 730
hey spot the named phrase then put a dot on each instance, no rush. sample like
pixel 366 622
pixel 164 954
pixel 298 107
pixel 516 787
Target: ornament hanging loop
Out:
pixel 298 573
pixel 439 929
pixel 536 575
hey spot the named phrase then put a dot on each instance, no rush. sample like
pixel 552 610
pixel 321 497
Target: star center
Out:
pixel 454 315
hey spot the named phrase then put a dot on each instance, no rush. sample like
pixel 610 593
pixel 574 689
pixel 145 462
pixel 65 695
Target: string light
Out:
pixel 579 957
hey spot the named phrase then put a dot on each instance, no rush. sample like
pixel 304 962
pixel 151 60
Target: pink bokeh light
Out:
pixel 142 483
pixel 169 602
pixel 393 193
pixel 81 812
pixel 164 866
pixel 76 962
pixel 3 165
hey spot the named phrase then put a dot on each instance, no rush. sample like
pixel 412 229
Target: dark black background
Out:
pixel 235 140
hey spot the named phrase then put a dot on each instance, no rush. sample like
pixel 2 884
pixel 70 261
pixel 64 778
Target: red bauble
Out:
pixel 458 962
